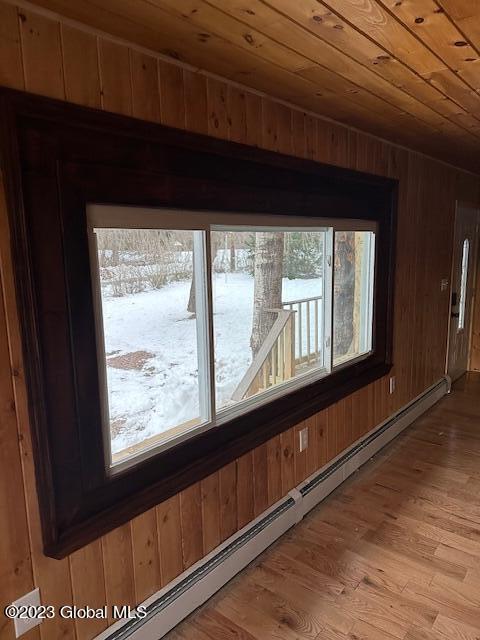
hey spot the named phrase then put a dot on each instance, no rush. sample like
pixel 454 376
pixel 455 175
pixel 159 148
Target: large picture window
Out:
pixel 182 299
pixel 201 321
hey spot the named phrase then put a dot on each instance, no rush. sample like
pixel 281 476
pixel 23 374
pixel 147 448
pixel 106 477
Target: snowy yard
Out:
pixel 150 342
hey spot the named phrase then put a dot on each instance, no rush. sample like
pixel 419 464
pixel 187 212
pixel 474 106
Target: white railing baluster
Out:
pixel 265 374
pixel 300 345
pixel 303 307
pixel 274 366
pixel 308 329
pixel 281 356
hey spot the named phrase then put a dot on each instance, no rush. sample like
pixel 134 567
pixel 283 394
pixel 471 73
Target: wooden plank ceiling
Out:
pixel 406 70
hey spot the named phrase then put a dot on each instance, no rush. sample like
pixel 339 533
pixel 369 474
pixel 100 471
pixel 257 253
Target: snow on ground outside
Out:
pixel 164 391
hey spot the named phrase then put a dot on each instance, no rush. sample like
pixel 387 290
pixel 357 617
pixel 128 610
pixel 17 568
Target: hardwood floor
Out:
pixel 393 553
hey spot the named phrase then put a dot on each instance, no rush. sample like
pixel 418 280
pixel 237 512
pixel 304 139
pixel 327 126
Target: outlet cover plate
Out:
pixel 392 384
pixel 22 625
pixel 303 439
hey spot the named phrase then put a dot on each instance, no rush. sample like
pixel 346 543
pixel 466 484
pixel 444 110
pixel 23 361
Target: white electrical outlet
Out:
pixel 303 439
pixel 392 384
pixel 26 612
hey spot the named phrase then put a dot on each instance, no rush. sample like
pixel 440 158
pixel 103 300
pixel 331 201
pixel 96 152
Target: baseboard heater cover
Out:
pixel 169 606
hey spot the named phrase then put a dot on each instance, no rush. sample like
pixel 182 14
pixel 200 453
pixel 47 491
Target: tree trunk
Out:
pixel 344 292
pixel 268 267
pixel 359 272
pixel 191 306
pixel 233 265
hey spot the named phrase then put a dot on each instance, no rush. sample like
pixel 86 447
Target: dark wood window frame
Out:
pixel 57 159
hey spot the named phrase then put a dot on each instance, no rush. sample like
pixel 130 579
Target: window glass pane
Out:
pixel 463 285
pixel 268 297
pixel 352 294
pixel 151 334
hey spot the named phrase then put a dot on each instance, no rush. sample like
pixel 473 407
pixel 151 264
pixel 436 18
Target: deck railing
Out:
pixel 294 341
pixel 308 331
pixel 275 360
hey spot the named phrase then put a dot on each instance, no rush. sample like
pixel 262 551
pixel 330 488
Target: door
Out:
pixel 463 281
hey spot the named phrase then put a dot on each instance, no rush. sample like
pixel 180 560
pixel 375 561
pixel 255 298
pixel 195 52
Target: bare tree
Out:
pixel 268 267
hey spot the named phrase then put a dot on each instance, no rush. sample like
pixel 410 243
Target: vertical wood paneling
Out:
pixel 361 415
pixel 146 559
pixel 228 500
pixel 172 95
pixel 88 587
pixel 132 562
pixel 254 118
pixel 404 287
pixel 287 440
pixel 299 139
pixel 348 417
pixel 313 446
pixel 53 577
pixel 269 125
pixel 43 71
pixel 245 494
pixel 274 470
pixel 196 115
pixel 321 424
pixel 169 538
pixel 300 456
pixel 145 91
pixel 15 566
pixel 311 125
pixel 352 149
pixel 11 69
pixel 118 567
pixel 260 475
pixel 236 115
pixel 210 512
pixel 284 129
pixel 341 441
pixel 370 406
pixel 332 144
pixel 81 67
pixel 331 432
pixel 191 530
pixel 42 55
pixel 217 108
pixel 115 77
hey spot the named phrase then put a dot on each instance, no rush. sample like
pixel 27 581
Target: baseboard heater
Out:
pixel 169 606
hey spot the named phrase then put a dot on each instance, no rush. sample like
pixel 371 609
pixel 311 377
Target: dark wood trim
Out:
pixel 57 158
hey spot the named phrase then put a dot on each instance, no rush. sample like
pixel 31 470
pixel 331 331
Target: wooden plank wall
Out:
pixel 44 56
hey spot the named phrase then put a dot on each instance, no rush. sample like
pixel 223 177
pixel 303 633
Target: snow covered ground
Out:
pixel 160 389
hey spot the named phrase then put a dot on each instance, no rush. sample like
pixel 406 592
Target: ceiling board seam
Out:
pixel 336 73
pixel 390 53
pixel 99 33
pixel 287 48
pixel 424 44
pixel 283 69
pixel 452 21
pixel 297 76
pixel 403 64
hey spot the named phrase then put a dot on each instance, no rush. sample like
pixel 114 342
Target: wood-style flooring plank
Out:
pixel 394 553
